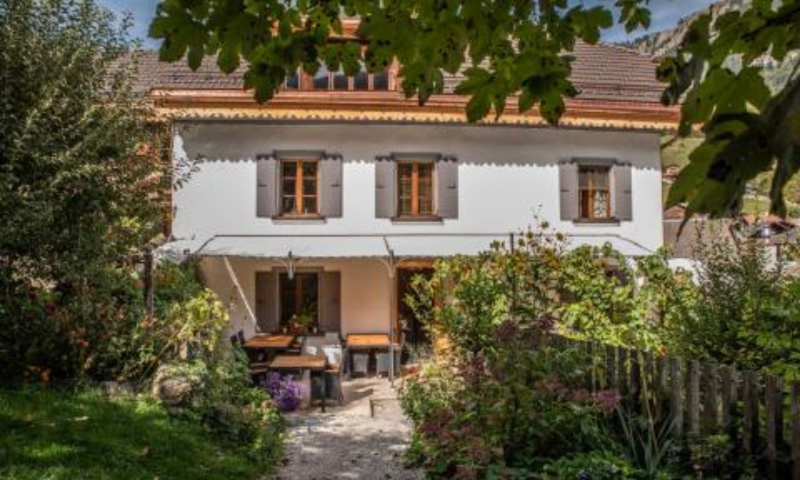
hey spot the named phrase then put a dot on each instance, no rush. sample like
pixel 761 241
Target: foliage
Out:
pixel 287 393
pixel 80 174
pixel 518 48
pixel 649 447
pixel 746 313
pixel 589 466
pixel 64 434
pixel 717 457
pixel 716 77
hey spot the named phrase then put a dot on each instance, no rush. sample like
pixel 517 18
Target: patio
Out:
pixel 347 442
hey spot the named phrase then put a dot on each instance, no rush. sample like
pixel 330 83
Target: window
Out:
pixel 595 193
pixel 299 187
pixel 322 79
pixel 299 300
pixel 415 188
pixel 325 80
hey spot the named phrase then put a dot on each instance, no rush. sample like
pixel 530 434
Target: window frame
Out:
pixel 299 188
pixel 305 82
pixel 415 210
pixel 590 217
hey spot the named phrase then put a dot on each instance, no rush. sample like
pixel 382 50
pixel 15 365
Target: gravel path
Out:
pixel 346 443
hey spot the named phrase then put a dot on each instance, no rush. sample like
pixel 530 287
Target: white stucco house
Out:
pixel 321 203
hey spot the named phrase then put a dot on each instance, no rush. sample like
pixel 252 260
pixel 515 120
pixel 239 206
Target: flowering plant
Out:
pixel 287 393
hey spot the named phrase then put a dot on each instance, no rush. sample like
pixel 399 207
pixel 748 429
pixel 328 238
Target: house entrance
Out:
pixel 414 327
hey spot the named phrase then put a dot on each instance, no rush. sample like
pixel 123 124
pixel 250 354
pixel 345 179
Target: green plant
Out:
pixel 590 466
pixel 648 446
pixel 717 457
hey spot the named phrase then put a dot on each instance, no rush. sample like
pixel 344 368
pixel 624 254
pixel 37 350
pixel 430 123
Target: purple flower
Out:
pixel 287 393
pixel 607 400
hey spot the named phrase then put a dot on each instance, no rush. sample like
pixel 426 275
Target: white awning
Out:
pixel 365 246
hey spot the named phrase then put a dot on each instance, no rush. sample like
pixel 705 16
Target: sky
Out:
pixel 666 14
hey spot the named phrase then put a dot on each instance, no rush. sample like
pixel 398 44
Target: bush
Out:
pixel 287 393
pixel 590 466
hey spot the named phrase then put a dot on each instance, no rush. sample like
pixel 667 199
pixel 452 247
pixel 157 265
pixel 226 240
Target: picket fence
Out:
pixel 759 410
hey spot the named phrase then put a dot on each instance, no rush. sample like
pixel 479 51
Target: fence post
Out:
pixel 622 370
pixel 773 405
pixel 676 397
pixel 750 436
pixel 591 374
pixel 636 378
pixel 729 396
pixel 795 422
pixel 611 366
pixel 694 398
pixel 710 398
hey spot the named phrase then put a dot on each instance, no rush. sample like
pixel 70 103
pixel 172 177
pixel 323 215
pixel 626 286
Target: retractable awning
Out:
pixel 365 246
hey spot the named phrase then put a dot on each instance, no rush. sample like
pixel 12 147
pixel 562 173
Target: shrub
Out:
pixel 590 466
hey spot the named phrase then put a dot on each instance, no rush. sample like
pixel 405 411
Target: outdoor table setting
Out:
pixel 369 343
pixel 302 363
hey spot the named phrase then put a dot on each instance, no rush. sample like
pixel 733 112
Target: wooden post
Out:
pixel 622 370
pixel 676 396
pixel 591 373
pixel 611 366
pixel 663 377
pixel 636 379
pixel 795 422
pixel 649 385
pixel 710 398
pixel 694 398
pixel 729 394
pixel 773 406
pixel 750 436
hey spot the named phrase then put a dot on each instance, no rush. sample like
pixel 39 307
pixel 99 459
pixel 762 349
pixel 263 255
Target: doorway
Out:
pixel 410 323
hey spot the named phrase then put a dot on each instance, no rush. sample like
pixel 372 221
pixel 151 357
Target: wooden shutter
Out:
pixel 568 182
pixel 447 187
pixel 330 302
pixel 331 187
pixel 623 201
pixel 385 188
pixel 267 302
pixel 266 193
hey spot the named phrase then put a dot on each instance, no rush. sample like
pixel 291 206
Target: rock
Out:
pixel 176 384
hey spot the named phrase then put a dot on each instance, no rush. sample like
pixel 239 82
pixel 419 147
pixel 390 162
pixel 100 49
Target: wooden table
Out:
pixel 299 362
pixel 367 341
pixel 263 341
pixel 314 363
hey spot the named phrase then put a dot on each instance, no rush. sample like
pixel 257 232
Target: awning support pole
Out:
pixel 238 287
pixel 391 266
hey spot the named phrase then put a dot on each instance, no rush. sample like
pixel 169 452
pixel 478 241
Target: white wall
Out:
pixel 365 294
pixel 506 176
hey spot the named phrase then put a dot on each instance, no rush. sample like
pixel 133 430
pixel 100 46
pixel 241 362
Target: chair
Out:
pixel 360 362
pixel 331 347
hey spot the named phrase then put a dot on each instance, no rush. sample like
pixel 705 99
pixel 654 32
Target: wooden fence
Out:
pixel 758 410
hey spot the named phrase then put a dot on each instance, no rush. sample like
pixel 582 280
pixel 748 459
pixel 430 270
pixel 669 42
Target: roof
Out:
pixel 365 246
pixel 600 72
pixel 618 91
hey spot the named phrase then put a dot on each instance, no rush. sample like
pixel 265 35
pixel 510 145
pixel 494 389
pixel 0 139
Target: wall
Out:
pixel 507 176
pixel 365 294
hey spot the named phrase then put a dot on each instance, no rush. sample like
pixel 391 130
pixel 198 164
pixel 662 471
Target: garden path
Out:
pixel 346 442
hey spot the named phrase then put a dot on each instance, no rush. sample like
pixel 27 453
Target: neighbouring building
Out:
pixel 321 204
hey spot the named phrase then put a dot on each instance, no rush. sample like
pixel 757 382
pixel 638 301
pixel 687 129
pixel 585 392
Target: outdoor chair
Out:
pixel 360 362
pixel 334 355
pixel 382 362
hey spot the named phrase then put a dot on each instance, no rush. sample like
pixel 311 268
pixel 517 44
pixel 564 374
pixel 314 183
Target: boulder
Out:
pixel 176 384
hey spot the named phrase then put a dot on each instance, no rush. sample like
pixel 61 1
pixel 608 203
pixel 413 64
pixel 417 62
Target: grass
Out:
pixel 54 435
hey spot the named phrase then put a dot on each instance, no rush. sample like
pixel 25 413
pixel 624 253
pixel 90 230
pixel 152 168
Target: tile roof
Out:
pixel 601 72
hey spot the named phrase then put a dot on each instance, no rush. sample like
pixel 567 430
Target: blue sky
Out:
pixel 665 14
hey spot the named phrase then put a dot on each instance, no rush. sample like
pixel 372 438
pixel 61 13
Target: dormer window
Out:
pixel 325 80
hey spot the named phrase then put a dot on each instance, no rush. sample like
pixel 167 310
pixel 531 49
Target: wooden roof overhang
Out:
pixel 393 107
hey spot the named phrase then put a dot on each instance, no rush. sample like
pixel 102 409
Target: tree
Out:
pixel 716 77
pixel 79 180
pixel 521 47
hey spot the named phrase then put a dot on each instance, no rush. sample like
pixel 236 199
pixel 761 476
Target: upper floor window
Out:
pixel 594 193
pixel 415 188
pixel 299 187
pixel 327 80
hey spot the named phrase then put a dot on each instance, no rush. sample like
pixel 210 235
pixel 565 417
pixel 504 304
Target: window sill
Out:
pixel 435 219
pixel 311 219
pixel 597 221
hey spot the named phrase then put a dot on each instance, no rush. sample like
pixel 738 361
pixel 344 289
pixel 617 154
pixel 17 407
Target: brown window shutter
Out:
pixel 385 188
pixel 331 186
pixel 622 190
pixel 447 187
pixel 267 302
pixel 330 302
pixel 568 182
pixel 267 186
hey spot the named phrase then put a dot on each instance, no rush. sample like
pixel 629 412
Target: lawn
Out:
pixel 53 435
